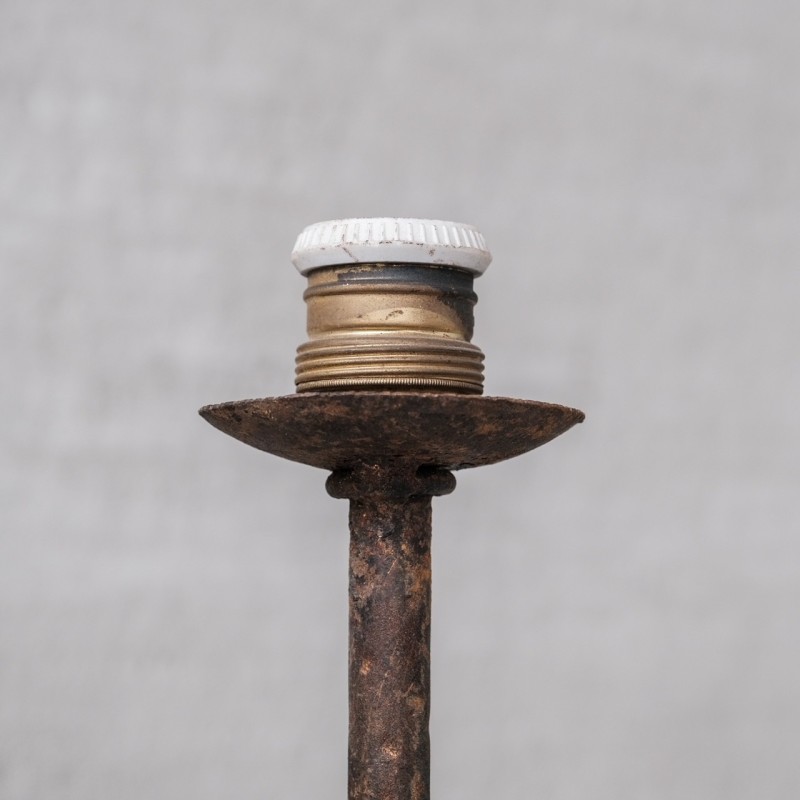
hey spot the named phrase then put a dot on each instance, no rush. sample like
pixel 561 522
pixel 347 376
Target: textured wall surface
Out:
pixel 616 616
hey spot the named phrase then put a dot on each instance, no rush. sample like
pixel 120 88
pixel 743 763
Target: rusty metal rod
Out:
pixel 390 623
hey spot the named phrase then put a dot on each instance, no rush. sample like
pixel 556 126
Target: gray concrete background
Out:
pixel 616 616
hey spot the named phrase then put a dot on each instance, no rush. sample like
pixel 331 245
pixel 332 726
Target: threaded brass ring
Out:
pixel 390 325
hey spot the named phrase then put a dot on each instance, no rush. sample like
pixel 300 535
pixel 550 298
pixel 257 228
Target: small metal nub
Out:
pixel 375 323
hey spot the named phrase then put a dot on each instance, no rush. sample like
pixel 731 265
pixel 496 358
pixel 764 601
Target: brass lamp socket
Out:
pixel 376 324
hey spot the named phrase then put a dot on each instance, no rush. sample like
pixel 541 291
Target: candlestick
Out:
pixel 390 402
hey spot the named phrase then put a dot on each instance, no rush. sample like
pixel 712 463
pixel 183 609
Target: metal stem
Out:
pixel 390 623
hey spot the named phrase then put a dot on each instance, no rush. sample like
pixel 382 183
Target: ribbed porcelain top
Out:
pixel 391 240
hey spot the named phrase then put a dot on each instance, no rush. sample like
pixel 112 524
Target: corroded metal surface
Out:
pixel 342 429
pixel 390 624
pixel 390 453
